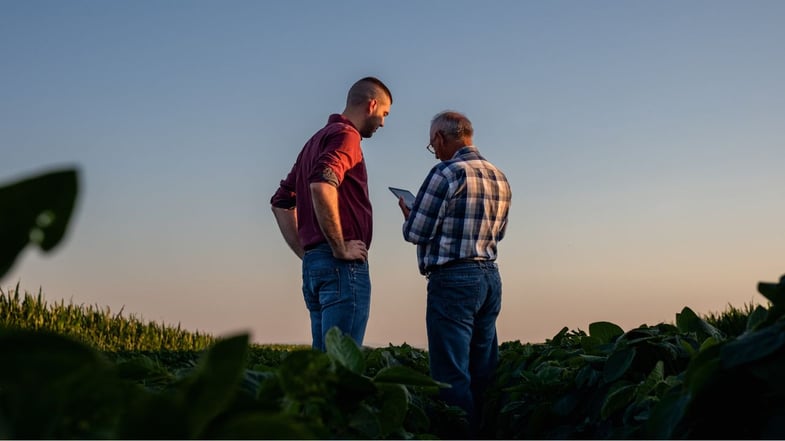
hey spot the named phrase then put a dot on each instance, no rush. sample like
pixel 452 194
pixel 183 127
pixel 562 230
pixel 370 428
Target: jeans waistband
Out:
pixel 314 246
pixel 432 268
pixel 323 248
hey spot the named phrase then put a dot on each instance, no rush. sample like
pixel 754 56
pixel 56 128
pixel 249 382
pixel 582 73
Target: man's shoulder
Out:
pixel 336 132
pixel 441 168
pixel 336 123
pixel 470 165
pixel 341 133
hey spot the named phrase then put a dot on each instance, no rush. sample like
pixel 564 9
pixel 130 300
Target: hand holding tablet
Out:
pixel 408 197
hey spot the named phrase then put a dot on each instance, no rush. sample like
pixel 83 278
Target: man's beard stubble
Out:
pixel 369 127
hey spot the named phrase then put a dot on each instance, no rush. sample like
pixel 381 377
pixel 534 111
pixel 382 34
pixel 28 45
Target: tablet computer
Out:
pixel 408 197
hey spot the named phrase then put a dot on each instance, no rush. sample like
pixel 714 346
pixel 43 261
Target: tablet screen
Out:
pixel 408 197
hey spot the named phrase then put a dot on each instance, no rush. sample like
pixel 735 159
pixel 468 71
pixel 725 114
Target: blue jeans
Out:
pixel 464 301
pixel 337 293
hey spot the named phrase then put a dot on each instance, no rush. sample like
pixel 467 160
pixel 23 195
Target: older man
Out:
pixel 458 217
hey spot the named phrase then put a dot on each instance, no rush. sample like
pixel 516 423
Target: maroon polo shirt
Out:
pixel 332 155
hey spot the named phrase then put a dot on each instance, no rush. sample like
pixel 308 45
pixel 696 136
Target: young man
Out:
pixel 458 217
pixel 324 213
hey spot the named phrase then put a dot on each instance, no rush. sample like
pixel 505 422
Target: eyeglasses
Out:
pixel 431 149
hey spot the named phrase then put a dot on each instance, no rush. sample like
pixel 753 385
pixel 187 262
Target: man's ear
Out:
pixel 372 105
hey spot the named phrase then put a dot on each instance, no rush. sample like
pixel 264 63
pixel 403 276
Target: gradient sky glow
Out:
pixel 644 142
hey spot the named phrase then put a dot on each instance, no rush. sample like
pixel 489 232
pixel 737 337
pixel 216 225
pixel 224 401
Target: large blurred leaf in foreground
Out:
pixel 35 210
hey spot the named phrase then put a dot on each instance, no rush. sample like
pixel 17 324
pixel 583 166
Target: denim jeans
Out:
pixel 337 293
pixel 464 301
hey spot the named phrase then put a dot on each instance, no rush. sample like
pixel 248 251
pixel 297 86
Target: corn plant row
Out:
pixel 98 327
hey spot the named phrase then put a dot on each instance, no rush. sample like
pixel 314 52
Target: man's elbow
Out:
pixel 324 187
pixel 412 238
pixel 281 211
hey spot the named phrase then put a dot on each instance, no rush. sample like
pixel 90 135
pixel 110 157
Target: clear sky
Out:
pixel 644 142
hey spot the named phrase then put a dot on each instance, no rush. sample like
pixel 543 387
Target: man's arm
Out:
pixel 287 223
pixel 325 205
pixel 420 225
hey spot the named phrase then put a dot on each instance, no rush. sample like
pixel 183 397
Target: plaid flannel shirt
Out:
pixel 460 211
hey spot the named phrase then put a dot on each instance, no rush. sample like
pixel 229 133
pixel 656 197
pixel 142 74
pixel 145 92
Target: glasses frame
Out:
pixel 431 149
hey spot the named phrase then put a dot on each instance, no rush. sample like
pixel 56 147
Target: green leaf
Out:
pixel 711 341
pixel 590 344
pixel 606 332
pixel 406 376
pixel 753 346
pixel 756 318
pixel 774 292
pixel 654 378
pixel 593 359
pixel 35 210
pixel 587 377
pixel 702 369
pixel 305 374
pixel 186 410
pixel 666 415
pixel 687 347
pixel 618 363
pixel 395 405
pixel 365 421
pixel 53 387
pixel 557 339
pixel 417 421
pixel 143 368
pixel 344 350
pixel 617 399
pixel 688 321
pixel 216 382
pixel 47 354
pixel 548 374
pixel 352 387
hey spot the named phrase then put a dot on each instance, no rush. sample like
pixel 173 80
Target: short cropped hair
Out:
pixel 365 90
pixel 452 124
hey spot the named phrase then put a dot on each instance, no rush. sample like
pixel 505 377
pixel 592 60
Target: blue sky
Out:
pixel 643 142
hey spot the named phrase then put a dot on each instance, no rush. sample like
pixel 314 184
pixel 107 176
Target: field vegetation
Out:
pixel 75 371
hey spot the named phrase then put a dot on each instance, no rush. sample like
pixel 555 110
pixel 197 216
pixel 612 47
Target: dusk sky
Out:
pixel 644 142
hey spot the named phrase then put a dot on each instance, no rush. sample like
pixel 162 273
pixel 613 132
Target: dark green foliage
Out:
pixel 602 385
pixel 687 380
pixel 692 380
pixel 702 378
pixel 54 387
pixel 734 389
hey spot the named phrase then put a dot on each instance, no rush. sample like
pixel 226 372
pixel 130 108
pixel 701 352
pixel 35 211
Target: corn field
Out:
pixel 98 327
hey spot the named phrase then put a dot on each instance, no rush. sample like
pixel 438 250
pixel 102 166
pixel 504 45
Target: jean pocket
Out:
pixel 455 289
pixel 358 269
pixel 325 285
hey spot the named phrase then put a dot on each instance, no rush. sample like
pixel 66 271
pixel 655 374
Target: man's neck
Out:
pixel 353 117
